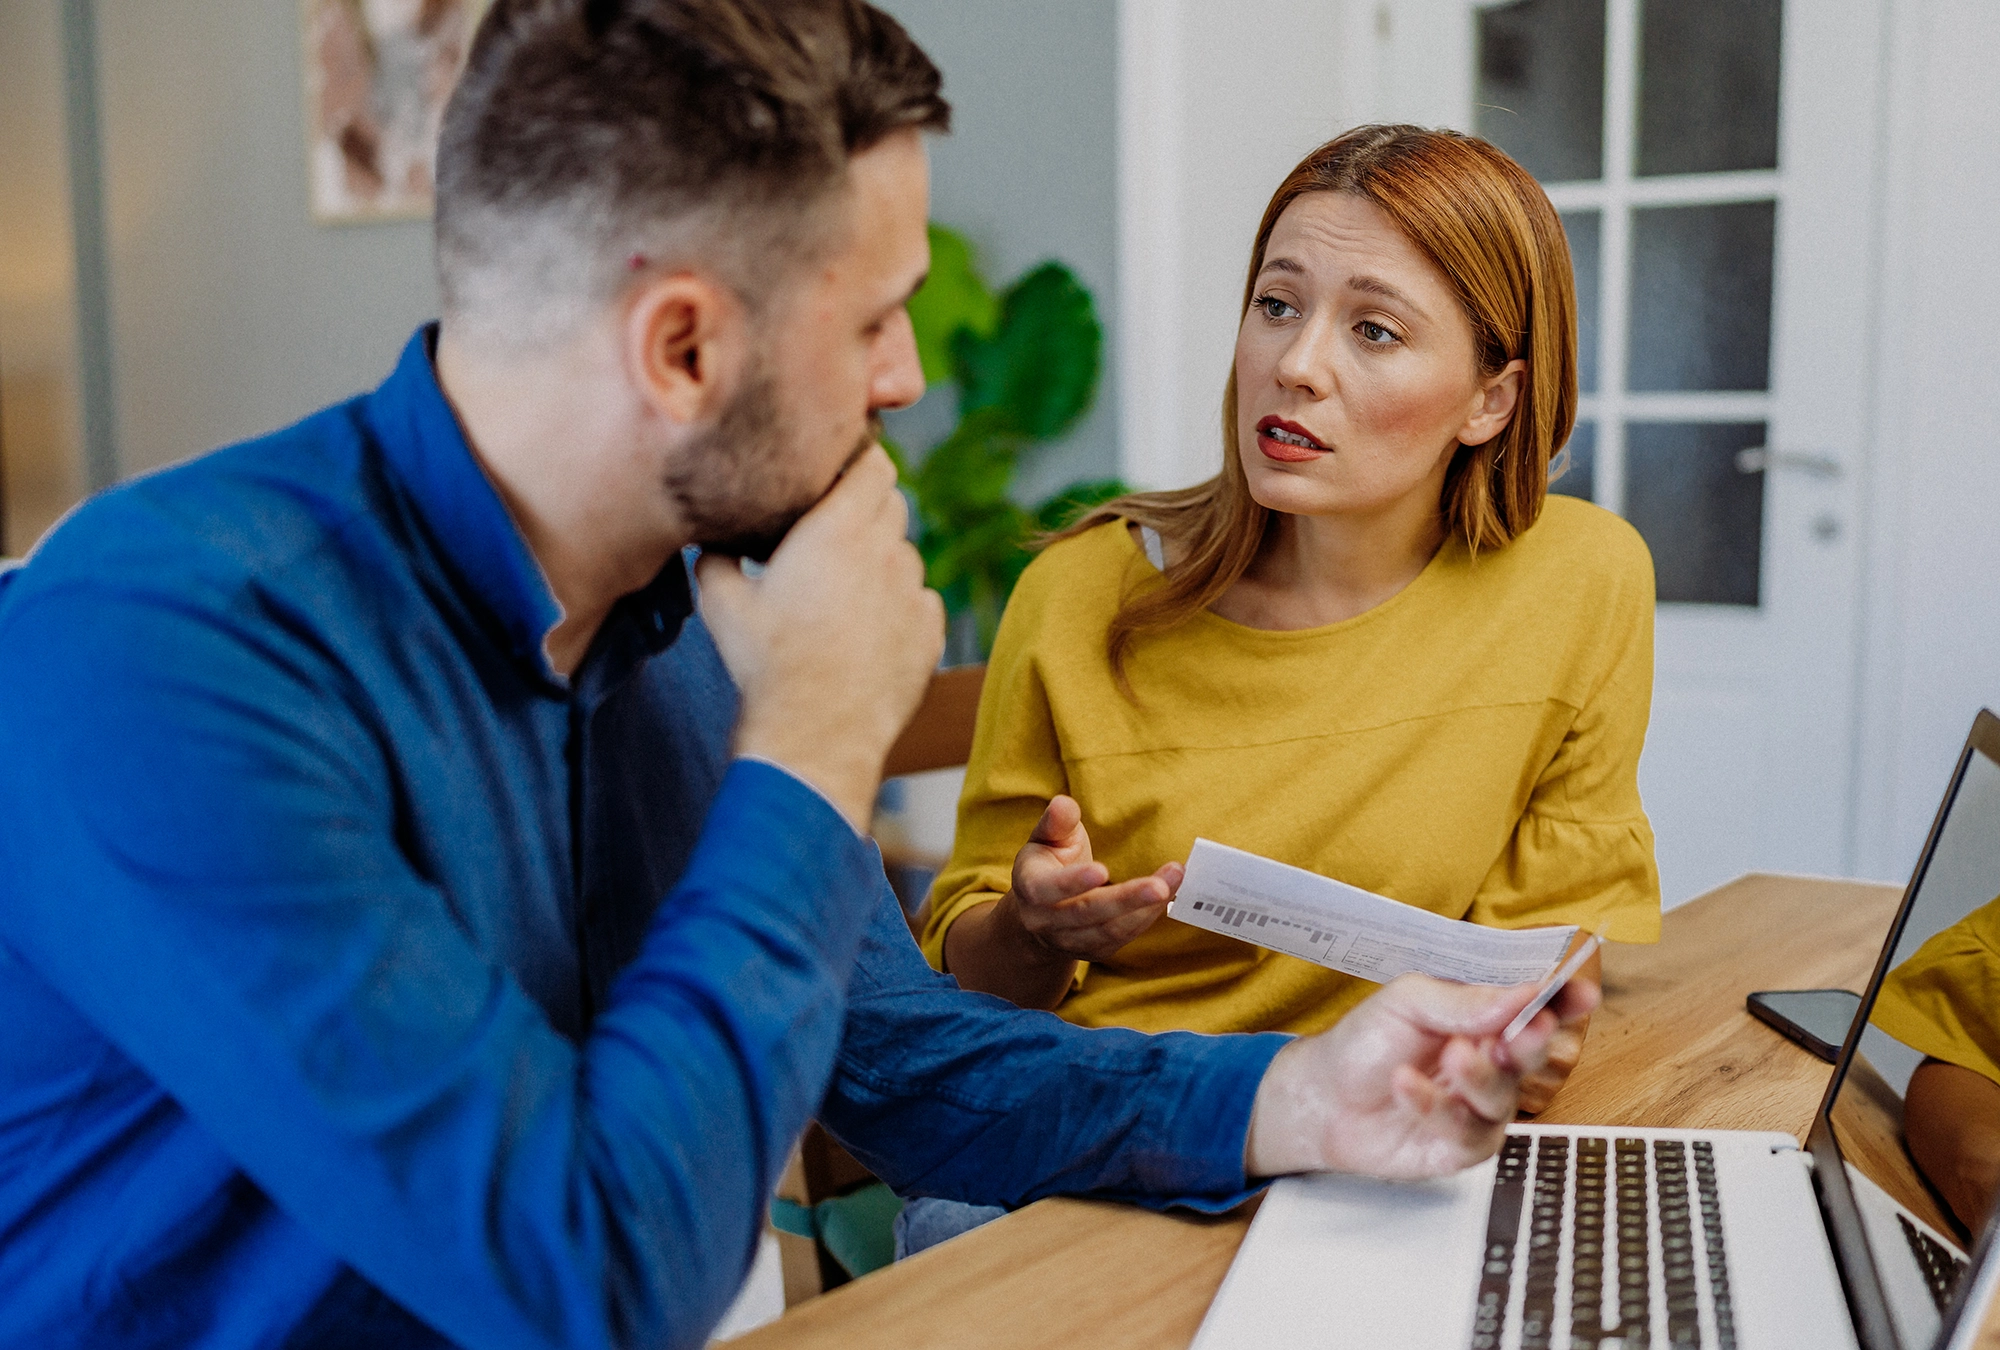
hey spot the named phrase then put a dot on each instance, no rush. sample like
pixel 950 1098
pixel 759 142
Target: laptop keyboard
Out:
pixel 1941 1269
pixel 1606 1244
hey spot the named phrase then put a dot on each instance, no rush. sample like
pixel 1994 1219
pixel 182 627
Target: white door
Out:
pixel 1715 163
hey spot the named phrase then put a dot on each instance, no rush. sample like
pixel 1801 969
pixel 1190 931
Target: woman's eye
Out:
pixel 1273 307
pixel 1375 333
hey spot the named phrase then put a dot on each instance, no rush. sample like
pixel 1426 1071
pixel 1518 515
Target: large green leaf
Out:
pixel 1075 501
pixel 983 564
pixel 1041 365
pixel 1026 364
pixel 975 550
pixel 953 297
pixel 967 474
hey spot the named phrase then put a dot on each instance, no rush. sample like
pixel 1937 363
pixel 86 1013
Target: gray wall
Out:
pixel 233 313
pixel 1030 172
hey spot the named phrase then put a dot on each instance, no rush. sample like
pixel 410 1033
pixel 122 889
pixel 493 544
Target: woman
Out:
pixel 1945 1002
pixel 1371 646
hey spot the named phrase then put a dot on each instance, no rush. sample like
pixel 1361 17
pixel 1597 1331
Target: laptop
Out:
pixel 1616 1238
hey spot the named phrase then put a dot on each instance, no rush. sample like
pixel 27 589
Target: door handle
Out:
pixel 1762 459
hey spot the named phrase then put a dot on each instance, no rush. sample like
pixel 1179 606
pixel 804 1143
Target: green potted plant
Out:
pixel 1025 363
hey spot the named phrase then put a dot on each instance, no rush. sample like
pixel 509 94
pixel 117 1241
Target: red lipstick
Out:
pixel 1294 444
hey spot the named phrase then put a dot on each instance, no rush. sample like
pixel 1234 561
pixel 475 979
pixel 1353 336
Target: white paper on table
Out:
pixel 1345 928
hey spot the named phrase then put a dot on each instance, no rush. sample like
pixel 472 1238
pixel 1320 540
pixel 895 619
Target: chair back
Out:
pixel 939 735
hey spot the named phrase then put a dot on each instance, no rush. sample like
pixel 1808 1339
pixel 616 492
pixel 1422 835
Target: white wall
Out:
pixel 1218 100
pixel 1931 650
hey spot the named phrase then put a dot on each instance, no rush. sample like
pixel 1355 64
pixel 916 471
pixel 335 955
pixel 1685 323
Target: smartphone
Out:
pixel 1818 1019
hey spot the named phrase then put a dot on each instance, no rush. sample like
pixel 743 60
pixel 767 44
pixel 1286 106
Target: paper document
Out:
pixel 1345 928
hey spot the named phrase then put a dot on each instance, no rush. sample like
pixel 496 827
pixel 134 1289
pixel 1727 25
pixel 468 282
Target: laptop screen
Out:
pixel 1907 1145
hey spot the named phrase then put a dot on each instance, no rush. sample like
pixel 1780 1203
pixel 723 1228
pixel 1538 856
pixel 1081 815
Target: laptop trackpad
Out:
pixel 1341 1260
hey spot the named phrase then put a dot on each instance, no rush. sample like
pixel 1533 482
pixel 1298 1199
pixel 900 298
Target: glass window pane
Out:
pixel 1541 85
pixel 1701 297
pixel 1708 86
pixel 1582 229
pixel 1577 462
pixel 1701 515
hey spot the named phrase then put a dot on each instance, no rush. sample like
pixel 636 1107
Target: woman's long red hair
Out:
pixel 1489 227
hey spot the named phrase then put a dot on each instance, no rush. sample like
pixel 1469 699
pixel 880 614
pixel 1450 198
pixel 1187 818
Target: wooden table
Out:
pixel 1672 1046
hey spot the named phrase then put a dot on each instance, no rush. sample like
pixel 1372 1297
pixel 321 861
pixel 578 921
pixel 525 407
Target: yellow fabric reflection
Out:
pixel 1945 1000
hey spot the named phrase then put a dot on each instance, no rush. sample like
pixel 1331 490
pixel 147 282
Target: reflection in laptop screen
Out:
pixel 1917 1115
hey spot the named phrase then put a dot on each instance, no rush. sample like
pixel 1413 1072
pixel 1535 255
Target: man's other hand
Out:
pixel 833 645
pixel 1415 1082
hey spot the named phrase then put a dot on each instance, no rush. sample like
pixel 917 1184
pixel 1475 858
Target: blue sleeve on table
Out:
pixel 963 1096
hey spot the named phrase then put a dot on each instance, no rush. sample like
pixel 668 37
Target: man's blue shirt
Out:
pixel 364 981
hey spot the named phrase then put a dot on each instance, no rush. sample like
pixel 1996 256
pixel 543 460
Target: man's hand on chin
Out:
pixel 834 644
pixel 1415 1082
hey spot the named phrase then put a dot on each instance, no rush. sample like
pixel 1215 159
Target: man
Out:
pixel 418 928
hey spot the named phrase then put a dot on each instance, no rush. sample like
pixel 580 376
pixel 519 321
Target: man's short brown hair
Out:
pixel 587 134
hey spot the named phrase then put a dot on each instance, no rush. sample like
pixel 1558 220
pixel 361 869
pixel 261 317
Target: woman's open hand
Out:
pixel 1065 901
pixel 1061 909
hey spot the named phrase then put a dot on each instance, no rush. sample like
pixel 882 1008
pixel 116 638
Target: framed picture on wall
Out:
pixel 377 74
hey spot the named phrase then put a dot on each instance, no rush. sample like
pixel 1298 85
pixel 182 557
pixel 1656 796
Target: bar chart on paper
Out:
pixel 1345 928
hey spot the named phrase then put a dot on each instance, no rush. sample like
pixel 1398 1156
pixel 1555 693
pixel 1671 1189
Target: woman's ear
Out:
pixel 1499 394
pixel 685 338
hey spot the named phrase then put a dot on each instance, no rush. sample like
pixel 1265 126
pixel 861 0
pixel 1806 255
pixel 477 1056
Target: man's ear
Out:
pixel 1499 394
pixel 685 341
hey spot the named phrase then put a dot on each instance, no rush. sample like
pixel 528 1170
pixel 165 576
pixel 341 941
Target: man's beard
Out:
pixel 741 460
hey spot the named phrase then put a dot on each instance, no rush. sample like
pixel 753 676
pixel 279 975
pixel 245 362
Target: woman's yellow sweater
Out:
pixel 1945 1000
pixel 1470 746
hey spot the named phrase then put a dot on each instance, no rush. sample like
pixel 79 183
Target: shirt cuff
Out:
pixel 809 787
pixel 1210 1093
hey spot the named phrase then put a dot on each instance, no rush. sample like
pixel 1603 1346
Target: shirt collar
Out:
pixel 427 453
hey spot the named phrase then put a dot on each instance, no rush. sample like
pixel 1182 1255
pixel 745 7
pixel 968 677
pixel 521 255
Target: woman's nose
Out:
pixel 1305 366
